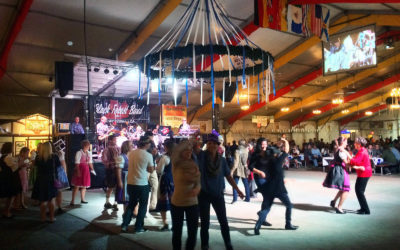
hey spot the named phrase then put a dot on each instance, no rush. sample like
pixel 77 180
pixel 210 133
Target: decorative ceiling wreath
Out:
pixel 189 50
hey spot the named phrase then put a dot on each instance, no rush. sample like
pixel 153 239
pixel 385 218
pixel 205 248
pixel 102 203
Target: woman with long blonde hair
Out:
pixel 44 189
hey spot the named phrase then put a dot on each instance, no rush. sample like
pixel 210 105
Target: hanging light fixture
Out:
pixel 203 33
pixel 395 92
pixel 337 101
pixel 369 113
pixel 345 111
pixel 285 109
pixel 244 107
pixel 316 112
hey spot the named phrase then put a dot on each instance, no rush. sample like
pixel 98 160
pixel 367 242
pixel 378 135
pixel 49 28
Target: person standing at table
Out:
pixel 362 164
pixel 76 127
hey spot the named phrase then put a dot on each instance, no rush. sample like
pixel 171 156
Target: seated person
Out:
pixel 388 159
pixel 315 155
pixel 76 127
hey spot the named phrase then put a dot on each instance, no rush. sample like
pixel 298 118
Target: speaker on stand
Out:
pixel 64 77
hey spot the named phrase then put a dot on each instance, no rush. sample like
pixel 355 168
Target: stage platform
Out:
pixel 89 226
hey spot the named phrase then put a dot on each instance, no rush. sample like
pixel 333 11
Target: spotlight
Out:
pixel 96 69
pixel 115 72
pixel 106 71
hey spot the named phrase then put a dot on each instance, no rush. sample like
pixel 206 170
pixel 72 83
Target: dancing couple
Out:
pixel 338 177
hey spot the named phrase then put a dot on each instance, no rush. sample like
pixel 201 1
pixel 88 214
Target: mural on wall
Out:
pixel 36 124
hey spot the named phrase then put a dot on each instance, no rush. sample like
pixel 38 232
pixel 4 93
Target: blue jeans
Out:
pixel 246 188
pixel 260 181
pixel 137 194
pixel 218 203
pixel 192 219
pixel 266 207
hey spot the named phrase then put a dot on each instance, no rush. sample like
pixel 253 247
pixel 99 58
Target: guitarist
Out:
pixel 102 132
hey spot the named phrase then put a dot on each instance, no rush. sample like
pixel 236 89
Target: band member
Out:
pixel 76 127
pixel 184 128
pixel 102 132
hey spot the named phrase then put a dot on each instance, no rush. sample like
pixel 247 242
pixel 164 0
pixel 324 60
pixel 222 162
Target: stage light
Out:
pixel 106 71
pixel 368 113
pixel 389 44
pixel 346 111
pixel 115 72
pixel 316 111
pixel 96 69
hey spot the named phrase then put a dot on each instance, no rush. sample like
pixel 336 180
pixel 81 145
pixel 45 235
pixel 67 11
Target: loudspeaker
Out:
pixel 64 77
pixel 229 92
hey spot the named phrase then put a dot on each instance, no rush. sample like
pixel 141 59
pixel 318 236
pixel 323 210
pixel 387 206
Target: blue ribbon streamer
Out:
pixel 159 91
pixel 148 77
pixel 258 88
pixel 271 67
pixel 244 67
pixel 212 54
pixel 140 72
pixel 325 30
pixel 237 90
pixel 188 23
pixel 187 94
pixel 173 73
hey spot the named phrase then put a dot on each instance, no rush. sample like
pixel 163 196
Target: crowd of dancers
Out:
pixel 186 180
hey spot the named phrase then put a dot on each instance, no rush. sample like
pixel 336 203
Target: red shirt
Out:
pixel 362 159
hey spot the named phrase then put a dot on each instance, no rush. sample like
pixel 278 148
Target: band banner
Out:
pixel 121 110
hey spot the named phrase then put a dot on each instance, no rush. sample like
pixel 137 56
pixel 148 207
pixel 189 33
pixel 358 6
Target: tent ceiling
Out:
pixel 111 25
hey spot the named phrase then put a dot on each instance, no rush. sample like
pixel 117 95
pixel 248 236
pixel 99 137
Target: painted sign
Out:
pixel 173 115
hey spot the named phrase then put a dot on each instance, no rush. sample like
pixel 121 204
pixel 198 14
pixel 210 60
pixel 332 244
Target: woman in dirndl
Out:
pixel 121 194
pixel 337 177
pixel 166 186
pixel 81 177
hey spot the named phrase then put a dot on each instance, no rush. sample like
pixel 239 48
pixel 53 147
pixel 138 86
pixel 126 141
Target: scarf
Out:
pixel 213 166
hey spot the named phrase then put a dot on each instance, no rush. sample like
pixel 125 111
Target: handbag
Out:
pixel 62 177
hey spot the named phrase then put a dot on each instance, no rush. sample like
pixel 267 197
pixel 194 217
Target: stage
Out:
pixel 90 227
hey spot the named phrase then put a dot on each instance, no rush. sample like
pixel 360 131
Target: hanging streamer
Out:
pixel 244 68
pixel 159 81
pixel 223 92
pixel 248 92
pixel 187 93
pixel 237 90
pixel 148 83
pixel 201 91
pixel 212 55
pixel 271 72
pixel 173 75
pixel 258 88
pixel 194 66
pixel 140 78
pixel 144 72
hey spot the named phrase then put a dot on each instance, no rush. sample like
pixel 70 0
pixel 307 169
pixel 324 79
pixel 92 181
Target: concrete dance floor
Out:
pixel 91 227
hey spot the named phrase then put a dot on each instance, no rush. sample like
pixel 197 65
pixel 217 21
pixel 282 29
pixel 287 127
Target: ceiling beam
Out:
pixel 148 29
pixel 340 1
pixel 349 98
pixel 16 28
pixel 290 87
pixel 204 109
pixel 353 109
pixel 362 115
pixel 340 85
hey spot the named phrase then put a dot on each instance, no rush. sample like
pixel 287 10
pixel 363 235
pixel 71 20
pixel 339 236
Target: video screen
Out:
pixel 351 50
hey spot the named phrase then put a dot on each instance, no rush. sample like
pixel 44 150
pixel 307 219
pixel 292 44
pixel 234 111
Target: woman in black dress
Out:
pixel 10 183
pixel 44 190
